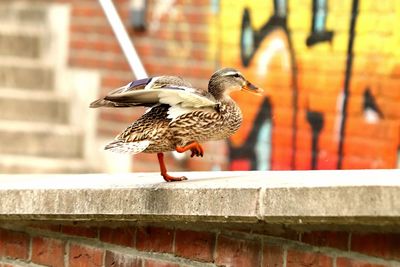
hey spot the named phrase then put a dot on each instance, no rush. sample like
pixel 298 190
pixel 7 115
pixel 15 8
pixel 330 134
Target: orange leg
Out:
pixel 163 169
pixel 196 148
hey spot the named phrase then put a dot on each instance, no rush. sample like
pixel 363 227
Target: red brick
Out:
pixel 367 147
pixel 345 262
pixel 85 256
pixel 327 161
pixel 90 232
pixel 111 81
pixel 47 251
pixel 389 87
pixel 126 116
pixel 297 258
pixel 272 256
pixel 379 245
pixel 86 11
pixel 337 240
pixel 154 239
pixel 124 236
pixel 303 159
pixel 240 165
pixel 113 259
pixel 96 45
pixel 282 137
pixel 323 103
pixel 359 162
pixel 194 245
pixel 383 130
pixel 237 252
pixel 14 244
pixel 89 61
pixel 281 159
pixel 155 263
pixel 328 142
pixel 98 28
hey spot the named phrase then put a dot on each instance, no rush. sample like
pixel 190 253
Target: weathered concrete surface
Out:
pixel 356 197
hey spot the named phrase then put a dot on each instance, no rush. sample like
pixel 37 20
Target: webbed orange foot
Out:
pixel 169 178
pixel 196 148
pixel 164 173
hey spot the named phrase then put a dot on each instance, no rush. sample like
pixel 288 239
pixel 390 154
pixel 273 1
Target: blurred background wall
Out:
pixel 330 71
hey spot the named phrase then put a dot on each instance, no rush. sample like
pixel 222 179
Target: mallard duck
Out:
pixel 180 116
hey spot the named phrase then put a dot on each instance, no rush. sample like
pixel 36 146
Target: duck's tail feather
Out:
pixel 120 146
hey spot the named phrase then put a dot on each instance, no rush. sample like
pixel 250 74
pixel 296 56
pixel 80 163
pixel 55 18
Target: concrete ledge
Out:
pixel 361 197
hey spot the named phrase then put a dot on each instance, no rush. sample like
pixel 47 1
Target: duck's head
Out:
pixel 227 80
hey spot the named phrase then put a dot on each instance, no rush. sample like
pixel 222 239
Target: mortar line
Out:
pixel 284 256
pixel 19 262
pixel 173 241
pixel 215 246
pixel 30 248
pixel 104 258
pixel 66 254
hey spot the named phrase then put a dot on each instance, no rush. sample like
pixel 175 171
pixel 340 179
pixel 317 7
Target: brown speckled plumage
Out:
pixel 179 115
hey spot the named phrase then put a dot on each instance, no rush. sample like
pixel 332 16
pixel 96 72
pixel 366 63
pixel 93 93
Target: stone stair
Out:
pixel 36 133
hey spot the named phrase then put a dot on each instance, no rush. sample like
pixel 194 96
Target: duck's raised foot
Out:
pixel 169 178
pixel 196 148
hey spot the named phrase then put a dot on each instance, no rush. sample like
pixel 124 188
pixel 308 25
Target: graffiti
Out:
pixel 372 112
pixel 251 155
pixel 316 121
pixel 307 117
pixel 170 16
pixel 161 9
pixel 251 40
pixel 318 31
pixel 346 91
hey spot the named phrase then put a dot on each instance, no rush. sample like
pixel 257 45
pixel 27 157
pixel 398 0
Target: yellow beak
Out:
pixel 249 87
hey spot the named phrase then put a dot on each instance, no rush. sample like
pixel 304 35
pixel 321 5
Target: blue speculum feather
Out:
pixel 144 81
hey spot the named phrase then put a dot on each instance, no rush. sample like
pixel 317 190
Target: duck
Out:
pixel 179 117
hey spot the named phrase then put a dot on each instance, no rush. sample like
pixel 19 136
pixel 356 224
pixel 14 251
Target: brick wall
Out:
pixel 330 74
pixel 307 62
pixel 43 244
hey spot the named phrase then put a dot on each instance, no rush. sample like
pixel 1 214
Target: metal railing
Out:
pixel 123 39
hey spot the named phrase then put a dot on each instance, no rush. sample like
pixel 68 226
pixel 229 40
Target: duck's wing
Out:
pixel 148 92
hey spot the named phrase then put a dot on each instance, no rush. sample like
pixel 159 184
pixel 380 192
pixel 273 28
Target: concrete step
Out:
pixel 13 164
pixel 22 41
pixel 34 106
pixel 40 139
pixel 25 73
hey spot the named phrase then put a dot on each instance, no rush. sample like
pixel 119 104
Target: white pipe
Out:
pixel 123 39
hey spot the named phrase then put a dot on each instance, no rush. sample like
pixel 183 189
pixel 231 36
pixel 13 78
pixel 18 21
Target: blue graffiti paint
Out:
pixel 263 146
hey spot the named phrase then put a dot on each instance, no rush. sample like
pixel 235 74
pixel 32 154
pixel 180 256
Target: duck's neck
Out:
pixel 216 89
